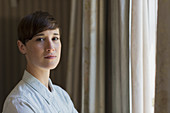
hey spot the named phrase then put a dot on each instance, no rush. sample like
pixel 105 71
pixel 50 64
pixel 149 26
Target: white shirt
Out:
pixel 31 96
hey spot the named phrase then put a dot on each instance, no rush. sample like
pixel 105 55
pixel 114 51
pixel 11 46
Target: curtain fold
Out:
pixel 100 79
pixel 120 55
pixel 94 65
pixel 92 57
pixel 73 77
pixel 143 46
pixel 137 57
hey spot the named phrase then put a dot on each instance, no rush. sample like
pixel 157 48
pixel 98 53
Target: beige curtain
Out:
pixel 120 55
pixel 74 78
pixel 143 45
pixel 93 70
pixel 96 65
pixel 162 93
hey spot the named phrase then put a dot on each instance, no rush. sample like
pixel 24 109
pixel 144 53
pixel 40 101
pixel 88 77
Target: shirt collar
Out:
pixel 38 86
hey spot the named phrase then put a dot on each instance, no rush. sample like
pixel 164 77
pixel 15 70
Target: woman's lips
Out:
pixel 50 57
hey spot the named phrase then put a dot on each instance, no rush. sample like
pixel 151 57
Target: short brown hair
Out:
pixel 35 23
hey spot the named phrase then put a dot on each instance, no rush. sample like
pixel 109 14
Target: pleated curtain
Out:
pixel 93 68
pixel 74 60
pixel 94 60
pixel 143 54
pixel 120 56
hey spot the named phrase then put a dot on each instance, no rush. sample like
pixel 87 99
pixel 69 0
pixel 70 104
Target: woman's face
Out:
pixel 44 49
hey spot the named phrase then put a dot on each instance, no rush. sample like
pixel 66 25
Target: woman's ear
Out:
pixel 21 47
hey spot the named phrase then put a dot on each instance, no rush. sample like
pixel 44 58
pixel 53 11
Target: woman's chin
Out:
pixel 52 66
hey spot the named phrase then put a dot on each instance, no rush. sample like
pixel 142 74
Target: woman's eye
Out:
pixel 55 38
pixel 40 39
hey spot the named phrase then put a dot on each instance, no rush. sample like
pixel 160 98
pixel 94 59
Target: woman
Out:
pixel 39 41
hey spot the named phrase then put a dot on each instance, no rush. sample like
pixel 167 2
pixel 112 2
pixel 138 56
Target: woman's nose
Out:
pixel 50 47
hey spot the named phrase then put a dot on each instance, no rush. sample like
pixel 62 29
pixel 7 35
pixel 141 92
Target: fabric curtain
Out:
pixel 120 55
pixel 143 46
pixel 104 64
pixel 162 93
pixel 73 77
pixel 93 56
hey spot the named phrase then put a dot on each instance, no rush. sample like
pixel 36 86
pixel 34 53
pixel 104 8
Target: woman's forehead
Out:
pixel 46 32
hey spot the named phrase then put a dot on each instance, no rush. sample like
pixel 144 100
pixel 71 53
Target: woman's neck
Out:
pixel 41 74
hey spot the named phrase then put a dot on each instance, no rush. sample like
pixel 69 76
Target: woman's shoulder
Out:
pixel 17 99
pixel 60 90
pixel 20 97
pixel 20 90
pixel 65 98
pixel 62 93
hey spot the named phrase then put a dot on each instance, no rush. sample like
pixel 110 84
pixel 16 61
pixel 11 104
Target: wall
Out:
pixel 162 94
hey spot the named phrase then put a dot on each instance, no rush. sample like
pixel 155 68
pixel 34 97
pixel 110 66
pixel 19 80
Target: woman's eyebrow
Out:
pixel 41 34
pixel 56 33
